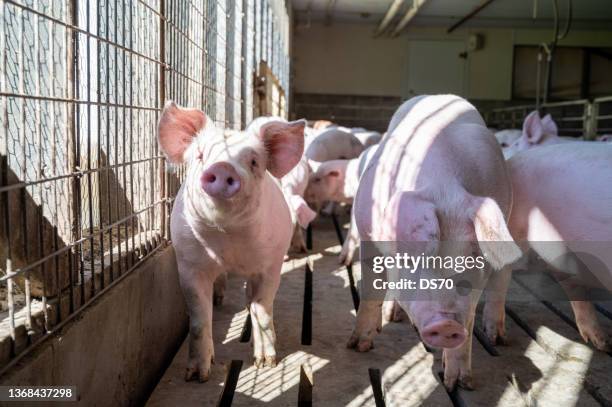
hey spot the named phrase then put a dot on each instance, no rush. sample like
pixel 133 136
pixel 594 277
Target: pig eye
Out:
pixel 200 155
pixel 253 163
pixel 317 179
pixel 504 144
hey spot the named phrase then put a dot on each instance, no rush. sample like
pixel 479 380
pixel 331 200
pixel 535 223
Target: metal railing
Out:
pixel 574 118
pixel 85 195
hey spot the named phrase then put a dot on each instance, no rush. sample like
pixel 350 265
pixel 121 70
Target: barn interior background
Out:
pixel 85 193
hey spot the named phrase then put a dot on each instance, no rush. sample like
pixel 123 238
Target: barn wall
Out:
pixel 344 59
pixel 117 349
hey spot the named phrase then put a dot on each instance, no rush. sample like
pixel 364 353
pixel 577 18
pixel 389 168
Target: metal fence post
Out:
pixel 590 130
pixel 74 265
pixel 163 176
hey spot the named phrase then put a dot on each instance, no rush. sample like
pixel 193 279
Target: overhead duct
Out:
pixel 416 6
pixel 391 12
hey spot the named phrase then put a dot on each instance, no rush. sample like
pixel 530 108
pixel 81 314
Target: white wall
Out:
pixel 344 59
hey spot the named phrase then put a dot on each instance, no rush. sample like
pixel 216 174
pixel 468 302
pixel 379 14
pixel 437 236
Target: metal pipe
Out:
pixel 416 6
pixel 391 12
pixel 469 16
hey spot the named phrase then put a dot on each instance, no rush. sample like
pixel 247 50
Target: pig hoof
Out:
pixel 497 338
pixel 465 382
pixel 266 361
pixel 201 374
pixel 360 343
pixel 365 345
pixel 599 340
pixel 270 361
pixel 495 333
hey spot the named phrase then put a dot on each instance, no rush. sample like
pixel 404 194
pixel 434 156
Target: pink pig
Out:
pixel 229 200
pixel 337 181
pixel 333 144
pixel 293 185
pixel 438 176
pixel 562 197
pixel 536 132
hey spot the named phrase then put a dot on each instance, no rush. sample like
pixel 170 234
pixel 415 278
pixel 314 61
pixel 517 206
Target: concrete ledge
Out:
pixel 117 349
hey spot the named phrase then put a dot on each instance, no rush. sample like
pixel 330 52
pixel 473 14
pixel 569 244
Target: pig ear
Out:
pixel 533 128
pixel 305 215
pixel 409 217
pixel 549 125
pixel 492 233
pixel 284 143
pixel 176 130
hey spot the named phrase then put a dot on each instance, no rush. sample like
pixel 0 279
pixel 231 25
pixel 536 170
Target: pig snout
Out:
pixel 444 332
pixel 221 181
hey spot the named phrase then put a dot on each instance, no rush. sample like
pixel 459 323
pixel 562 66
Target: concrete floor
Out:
pixel 546 362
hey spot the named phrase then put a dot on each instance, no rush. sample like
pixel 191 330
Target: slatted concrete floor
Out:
pixel 545 364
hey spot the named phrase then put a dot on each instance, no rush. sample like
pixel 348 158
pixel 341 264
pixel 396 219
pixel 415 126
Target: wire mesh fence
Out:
pixel 84 191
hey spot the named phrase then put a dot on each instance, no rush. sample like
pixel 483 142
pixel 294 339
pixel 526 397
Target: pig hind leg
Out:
pixel 588 326
pixel 263 291
pixel 586 317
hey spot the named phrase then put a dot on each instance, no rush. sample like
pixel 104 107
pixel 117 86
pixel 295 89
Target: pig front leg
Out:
pixel 457 363
pixel 368 324
pixel 494 313
pixel 350 243
pixel 263 289
pixel 198 292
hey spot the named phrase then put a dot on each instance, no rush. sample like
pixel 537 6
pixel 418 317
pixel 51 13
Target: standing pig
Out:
pixel 337 181
pixel 536 132
pixel 438 177
pixel 228 201
pixel 554 204
pixel 334 144
pixel 293 185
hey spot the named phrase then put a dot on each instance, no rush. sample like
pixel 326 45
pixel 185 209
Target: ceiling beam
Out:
pixel 468 16
pixel 412 11
pixel 391 12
